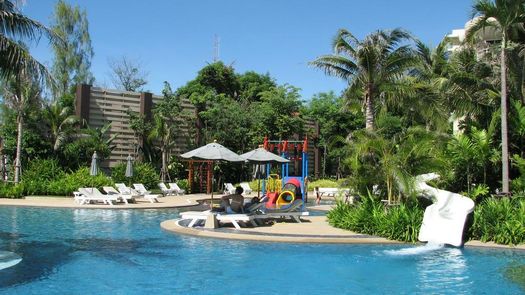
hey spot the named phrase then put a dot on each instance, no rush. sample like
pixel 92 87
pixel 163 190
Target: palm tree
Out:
pixel 425 104
pixel 163 131
pixel 506 16
pixel 15 57
pixel 373 67
pixel 391 162
pixel 60 120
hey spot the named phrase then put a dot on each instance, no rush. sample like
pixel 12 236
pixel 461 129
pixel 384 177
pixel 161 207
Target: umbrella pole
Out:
pixel 258 187
pixel 210 177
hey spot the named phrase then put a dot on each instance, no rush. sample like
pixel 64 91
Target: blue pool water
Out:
pixel 86 251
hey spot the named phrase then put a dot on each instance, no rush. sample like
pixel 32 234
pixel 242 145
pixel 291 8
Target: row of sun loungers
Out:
pixel 122 193
pixel 172 190
pixel 255 212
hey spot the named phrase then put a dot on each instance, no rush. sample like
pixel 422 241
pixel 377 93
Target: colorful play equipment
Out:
pixel 291 187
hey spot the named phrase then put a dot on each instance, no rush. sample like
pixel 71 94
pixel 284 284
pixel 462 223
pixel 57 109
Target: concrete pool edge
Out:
pixel 68 202
pixel 250 234
pixel 296 235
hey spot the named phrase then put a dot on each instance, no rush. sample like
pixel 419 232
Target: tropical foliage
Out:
pixel 400 223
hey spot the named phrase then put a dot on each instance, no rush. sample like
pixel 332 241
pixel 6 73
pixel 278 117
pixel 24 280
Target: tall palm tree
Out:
pixel 14 57
pixel 372 66
pixel 506 16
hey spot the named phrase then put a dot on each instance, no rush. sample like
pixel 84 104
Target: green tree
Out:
pixel 427 104
pixel 390 161
pixel 471 155
pixel 212 80
pixel 79 152
pixel 167 119
pixel 228 122
pixel 252 85
pixel 278 114
pixel 373 67
pixel 335 124
pixel 72 58
pixel 506 16
pixel 141 127
pixel 21 91
pixel 468 88
pixel 15 57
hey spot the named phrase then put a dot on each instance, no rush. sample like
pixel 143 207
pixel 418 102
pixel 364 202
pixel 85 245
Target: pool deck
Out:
pixel 68 202
pixel 313 229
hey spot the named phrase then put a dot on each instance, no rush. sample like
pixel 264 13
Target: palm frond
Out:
pixel 15 59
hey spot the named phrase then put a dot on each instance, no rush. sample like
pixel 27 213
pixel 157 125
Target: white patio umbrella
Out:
pixel 261 156
pixel 93 170
pixel 213 152
pixel 129 168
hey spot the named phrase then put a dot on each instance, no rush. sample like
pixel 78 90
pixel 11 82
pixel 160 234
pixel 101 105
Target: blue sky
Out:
pixel 174 39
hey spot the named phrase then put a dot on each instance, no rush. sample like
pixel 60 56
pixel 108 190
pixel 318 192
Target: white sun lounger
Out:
pixel 196 217
pixel 229 189
pixel 174 186
pixel 93 194
pixel 332 191
pixel 124 190
pixel 141 189
pixel 236 218
pixel 165 190
pixel 124 197
pixel 246 187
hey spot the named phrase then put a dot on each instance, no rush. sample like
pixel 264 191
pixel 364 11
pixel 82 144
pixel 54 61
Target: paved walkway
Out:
pixel 68 202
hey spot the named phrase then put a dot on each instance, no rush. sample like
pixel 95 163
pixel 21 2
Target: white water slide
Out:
pixel 443 221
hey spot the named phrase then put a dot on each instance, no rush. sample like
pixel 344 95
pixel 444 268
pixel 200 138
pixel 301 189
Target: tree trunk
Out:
pixel 163 170
pixel 369 111
pixel 504 128
pixel 18 163
pixel 324 161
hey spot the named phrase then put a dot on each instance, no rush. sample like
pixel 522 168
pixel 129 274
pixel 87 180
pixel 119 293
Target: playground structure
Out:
pixel 282 192
pixel 200 176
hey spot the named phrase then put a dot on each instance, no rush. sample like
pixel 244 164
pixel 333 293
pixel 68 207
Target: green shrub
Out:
pixel 9 190
pixel 143 173
pixel 400 223
pixel 42 170
pixel 39 174
pixel 500 220
pixel 71 182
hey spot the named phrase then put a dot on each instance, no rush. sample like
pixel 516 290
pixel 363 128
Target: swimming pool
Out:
pixel 87 251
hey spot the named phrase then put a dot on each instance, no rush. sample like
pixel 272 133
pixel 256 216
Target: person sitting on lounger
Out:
pixel 233 203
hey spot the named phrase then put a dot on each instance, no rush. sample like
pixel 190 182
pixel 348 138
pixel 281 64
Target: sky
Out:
pixel 174 39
